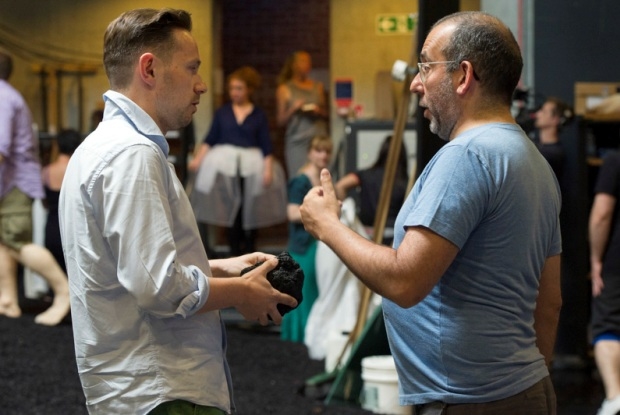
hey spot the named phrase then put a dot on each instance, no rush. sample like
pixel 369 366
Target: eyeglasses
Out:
pixel 425 68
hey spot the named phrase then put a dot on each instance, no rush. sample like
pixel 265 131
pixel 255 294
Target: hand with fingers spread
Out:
pixel 320 210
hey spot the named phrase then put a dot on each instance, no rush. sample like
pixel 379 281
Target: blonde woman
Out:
pixel 301 245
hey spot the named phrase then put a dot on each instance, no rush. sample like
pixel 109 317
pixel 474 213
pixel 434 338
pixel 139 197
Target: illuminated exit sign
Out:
pixel 396 24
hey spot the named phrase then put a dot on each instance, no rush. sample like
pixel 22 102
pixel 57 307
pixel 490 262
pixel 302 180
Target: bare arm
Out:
pixel 322 107
pixel 232 267
pixel 599 229
pixel 199 155
pixel 405 275
pixel 283 111
pixel 344 184
pixel 292 212
pixel 251 294
pixel 268 171
pixel 548 305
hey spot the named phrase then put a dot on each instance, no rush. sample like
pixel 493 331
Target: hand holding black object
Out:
pixel 286 277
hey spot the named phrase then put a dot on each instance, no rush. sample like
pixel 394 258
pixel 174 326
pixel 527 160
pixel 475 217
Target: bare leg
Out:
pixel 9 305
pixel 607 356
pixel 41 261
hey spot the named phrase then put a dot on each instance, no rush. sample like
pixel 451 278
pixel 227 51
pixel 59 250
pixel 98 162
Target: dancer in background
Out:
pixel 301 245
pixel 604 232
pixel 53 174
pixel 370 182
pixel 550 119
pixel 20 184
pixel 239 183
pixel 301 108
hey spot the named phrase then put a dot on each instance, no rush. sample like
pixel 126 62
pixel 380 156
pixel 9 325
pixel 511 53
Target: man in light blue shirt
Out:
pixel 471 287
pixel 145 299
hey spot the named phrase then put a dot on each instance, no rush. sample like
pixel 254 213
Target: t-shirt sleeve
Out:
pixel 609 175
pixel 297 189
pixel 453 196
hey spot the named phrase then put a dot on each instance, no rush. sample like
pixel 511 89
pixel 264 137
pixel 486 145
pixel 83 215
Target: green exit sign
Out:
pixel 395 24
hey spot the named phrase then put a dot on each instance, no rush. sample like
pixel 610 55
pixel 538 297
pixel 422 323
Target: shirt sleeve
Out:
pixel 215 132
pixel 136 221
pixel 6 125
pixel 297 189
pixel 609 176
pixel 451 200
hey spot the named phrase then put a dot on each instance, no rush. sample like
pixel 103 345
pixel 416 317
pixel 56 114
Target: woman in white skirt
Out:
pixel 239 185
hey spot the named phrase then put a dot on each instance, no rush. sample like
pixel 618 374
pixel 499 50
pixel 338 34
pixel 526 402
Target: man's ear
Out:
pixel 466 77
pixel 146 68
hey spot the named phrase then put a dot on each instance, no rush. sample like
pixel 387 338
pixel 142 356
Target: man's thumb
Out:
pixel 326 182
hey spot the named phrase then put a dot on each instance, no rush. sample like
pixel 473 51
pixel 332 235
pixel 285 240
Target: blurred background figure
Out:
pixel 549 120
pixel 301 108
pixel 369 182
pixel 53 174
pixel 301 245
pixel 95 118
pixel 239 184
pixel 604 233
pixel 20 184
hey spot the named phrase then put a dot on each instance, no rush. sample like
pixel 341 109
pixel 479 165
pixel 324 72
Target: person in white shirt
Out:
pixel 145 299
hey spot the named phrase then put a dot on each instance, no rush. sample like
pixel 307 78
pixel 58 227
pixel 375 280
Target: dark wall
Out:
pixel 429 12
pixel 262 33
pixel 575 41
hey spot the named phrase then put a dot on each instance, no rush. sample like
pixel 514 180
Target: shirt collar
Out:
pixel 118 105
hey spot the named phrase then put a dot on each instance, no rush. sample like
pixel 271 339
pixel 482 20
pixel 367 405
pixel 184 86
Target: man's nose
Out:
pixel 201 88
pixel 416 86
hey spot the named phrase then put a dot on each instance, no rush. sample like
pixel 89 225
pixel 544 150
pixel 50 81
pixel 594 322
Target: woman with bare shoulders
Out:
pixel 53 174
pixel 301 108
pixel 301 245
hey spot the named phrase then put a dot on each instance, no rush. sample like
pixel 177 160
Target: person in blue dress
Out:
pixel 239 184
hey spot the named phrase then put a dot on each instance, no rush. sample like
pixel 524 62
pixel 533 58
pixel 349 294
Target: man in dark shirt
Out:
pixel 604 232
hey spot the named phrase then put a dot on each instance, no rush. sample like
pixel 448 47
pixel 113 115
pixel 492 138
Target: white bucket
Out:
pixel 380 390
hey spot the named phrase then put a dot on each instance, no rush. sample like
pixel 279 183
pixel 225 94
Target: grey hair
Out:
pixel 490 46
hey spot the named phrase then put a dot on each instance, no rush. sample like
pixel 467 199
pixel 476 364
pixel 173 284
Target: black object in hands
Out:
pixel 286 277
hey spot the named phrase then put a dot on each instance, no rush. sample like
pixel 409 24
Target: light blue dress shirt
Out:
pixel 137 273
